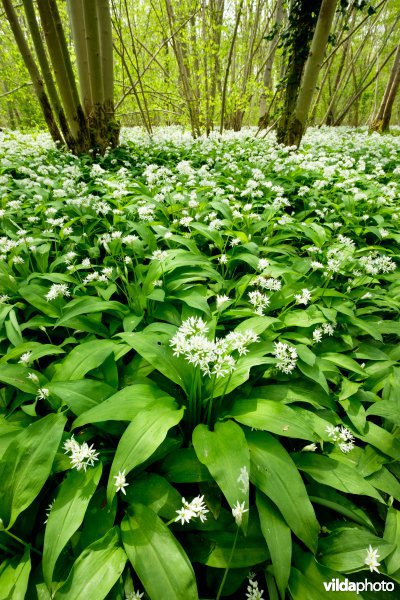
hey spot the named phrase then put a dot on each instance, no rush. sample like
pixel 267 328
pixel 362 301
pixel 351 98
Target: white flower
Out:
pixel 253 592
pixel 304 297
pixel 221 299
pixel 25 358
pixel 286 356
pixel 160 255
pixel 343 436
pixel 120 482
pixel 259 301
pixel 262 264
pixel 238 511
pixel 33 377
pixel 223 259
pixel 134 596
pixel 309 448
pixel 48 511
pixel 57 290
pixel 42 393
pixel 81 455
pixel 371 560
pixel 192 510
pixel 243 480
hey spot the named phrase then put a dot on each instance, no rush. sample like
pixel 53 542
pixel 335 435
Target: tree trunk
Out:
pixel 33 71
pixel 267 76
pixel 302 19
pixel 382 119
pixel 298 120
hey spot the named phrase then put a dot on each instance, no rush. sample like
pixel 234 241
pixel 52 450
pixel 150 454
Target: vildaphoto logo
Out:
pixel 335 585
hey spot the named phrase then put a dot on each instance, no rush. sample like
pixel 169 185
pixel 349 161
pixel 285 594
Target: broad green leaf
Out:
pixel 89 304
pixel 183 466
pixel 99 518
pixel 124 405
pixel 345 550
pixel 275 474
pixel 308 579
pixel 278 538
pixel 155 492
pixel 95 571
pixel 392 535
pixel 142 437
pixel 14 575
pixel 67 514
pixel 17 376
pixel 81 395
pixel 35 295
pixel 384 481
pixel 335 474
pixel 271 415
pixel 326 496
pixel 37 351
pixel 157 557
pixel 345 362
pixel 215 549
pixel 83 358
pixel 225 453
pixel 156 351
pixel 27 463
pixel 381 439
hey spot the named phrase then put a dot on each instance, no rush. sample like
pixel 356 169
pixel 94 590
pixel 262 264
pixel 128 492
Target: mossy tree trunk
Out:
pixel 302 19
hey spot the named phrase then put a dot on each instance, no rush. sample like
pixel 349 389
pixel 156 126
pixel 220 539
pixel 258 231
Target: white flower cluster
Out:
pixel 343 436
pixel 57 290
pixel 325 329
pixel 253 591
pixel 286 356
pixel 375 263
pixel 238 511
pixel 81 455
pixel 304 297
pixel 214 357
pixel 120 482
pixel 135 595
pixel 260 302
pixel 192 510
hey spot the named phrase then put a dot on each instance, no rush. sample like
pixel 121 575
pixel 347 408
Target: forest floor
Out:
pixel 254 285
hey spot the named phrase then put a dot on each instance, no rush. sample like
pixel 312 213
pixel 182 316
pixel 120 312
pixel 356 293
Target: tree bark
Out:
pixel 33 70
pixel 298 120
pixel 267 76
pixel 302 19
pixel 382 119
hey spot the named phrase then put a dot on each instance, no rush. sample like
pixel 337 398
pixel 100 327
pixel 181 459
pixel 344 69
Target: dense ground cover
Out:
pixel 199 359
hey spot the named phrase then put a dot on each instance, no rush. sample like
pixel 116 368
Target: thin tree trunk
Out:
pixel 34 73
pixel 46 70
pixel 382 119
pixel 267 76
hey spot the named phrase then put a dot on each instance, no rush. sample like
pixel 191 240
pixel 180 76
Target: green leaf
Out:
pixel 392 535
pixel 82 395
pixel 326 496
pixel 67 514
pixel 95 571
pixel 27 463
pixel 37 351
pixel 278 538
pixel 83 358
pixel 99 518
pixel 155 492
pixel 275 474
pixel 17 376
pixel 225 453
pixel 271 415
pixel 142 437
pixel 124 405
pixel 14 575
pixel 345 362
pixel 183 466
pixel 35 295
pixel 155 350
pixel 335 474
pixel 157 557
pixel 345 550
pixel 89 304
